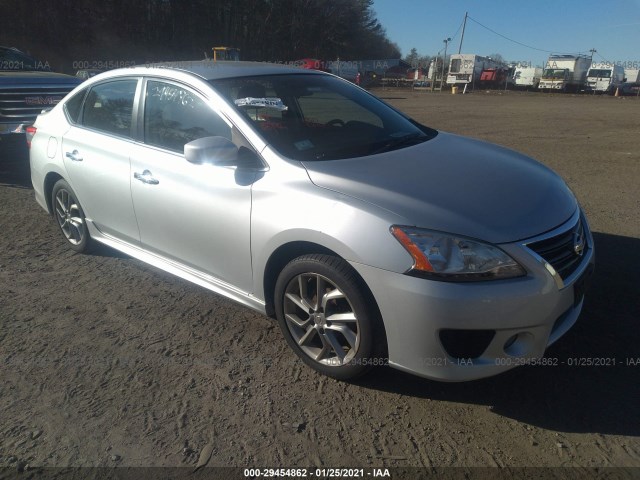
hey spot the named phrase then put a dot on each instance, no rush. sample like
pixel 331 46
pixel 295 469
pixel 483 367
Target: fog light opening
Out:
pixel 510 342
pixel 519 345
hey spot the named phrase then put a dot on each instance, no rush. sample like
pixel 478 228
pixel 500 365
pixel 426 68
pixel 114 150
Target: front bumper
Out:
pixel 506 322
pixel 551 85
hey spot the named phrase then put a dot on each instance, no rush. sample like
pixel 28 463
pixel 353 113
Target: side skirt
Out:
pixel 187 273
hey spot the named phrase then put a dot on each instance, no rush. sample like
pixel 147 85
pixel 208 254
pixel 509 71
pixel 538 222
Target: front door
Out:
pixel 198 215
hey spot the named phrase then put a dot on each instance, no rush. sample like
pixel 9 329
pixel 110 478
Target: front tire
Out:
pixel 327 317
pixel 70 217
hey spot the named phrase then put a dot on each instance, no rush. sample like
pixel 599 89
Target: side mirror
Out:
pixel 211 150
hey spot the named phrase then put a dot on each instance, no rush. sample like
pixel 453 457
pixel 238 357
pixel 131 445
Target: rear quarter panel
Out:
pixel 45 155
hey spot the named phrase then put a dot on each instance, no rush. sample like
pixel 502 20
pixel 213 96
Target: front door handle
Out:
pixel 146 177
pixel 75 156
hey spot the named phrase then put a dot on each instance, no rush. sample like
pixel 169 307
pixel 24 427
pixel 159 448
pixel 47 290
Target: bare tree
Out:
pixel 139 30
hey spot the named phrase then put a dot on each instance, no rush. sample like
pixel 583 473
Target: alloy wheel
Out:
pixel 69 216
pixel 321 319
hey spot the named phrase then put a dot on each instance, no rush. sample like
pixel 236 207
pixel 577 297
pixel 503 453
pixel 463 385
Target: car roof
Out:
pixel 211 70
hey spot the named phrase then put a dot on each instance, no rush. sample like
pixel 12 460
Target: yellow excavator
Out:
pixel 226 53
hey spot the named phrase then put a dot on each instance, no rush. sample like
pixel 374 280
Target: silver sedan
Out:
pixel 372 239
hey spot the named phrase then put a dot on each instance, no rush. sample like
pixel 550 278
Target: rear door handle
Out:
pixel 146 177
pixel 75 156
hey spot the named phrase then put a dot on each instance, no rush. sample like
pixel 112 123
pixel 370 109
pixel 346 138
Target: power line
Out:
pixel 603 59
pixel 457 31
pixel 511 39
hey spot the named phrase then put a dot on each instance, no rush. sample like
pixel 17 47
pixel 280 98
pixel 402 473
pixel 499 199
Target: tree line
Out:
pixel 66 32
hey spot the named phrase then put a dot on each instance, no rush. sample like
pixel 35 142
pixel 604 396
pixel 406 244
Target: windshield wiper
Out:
pixel 404 141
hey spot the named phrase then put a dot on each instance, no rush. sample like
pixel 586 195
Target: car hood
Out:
pixel 457 185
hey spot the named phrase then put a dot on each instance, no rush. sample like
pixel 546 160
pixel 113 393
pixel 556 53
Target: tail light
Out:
pixel 30 131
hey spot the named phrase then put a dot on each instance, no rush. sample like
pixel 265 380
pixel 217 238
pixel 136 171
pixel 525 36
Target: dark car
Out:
pixel 27 86
pixel 87 73
pixel 629 88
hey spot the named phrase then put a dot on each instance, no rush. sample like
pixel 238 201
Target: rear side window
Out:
pixel 109 107
pixel 174 116
pixel 73 106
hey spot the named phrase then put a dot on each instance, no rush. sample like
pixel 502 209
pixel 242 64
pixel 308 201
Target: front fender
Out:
pixel 354 230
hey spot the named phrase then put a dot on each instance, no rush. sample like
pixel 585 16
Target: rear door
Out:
pixel 96 152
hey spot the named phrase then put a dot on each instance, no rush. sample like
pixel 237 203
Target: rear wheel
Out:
pixel 70 217
pixel 325 316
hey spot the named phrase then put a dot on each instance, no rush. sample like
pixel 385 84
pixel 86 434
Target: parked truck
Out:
pixel 465 69
pixel 565 73
pixel 526 77
pixel 631 85
pixel 632 75
pixel 226 54
pixel 27 86
pixel 501 77
pixel 604 78
pixel 312 64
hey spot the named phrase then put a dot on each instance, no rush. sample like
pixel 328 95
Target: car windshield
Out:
pixel 554 73
pixel 599 73
pixel 319 117
pixel 12 59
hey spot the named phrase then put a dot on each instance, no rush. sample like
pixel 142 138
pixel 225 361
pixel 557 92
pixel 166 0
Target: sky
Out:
pixel 612 27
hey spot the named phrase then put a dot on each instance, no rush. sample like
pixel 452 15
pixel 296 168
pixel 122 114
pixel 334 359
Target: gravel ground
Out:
pixel 109 362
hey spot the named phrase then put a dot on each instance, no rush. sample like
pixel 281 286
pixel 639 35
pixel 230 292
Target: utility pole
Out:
pixel 434 68
pixel 464 25
pixel 593 50
pixel 444 60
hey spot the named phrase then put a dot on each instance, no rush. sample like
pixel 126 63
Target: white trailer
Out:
pixel 604 77
pixel 465 68
pixel 345 69
pixel 632 75
pixel 527 77
pixel 565 73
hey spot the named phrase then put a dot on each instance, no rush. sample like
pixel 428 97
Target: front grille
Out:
pixel 560 251
pixel 23 105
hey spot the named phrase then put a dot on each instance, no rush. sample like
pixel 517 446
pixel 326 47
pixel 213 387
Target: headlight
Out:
pixel 441 256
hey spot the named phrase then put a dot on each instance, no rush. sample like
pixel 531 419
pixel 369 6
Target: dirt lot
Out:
pixel 107 361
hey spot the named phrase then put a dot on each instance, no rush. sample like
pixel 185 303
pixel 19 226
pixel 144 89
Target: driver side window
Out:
pixel 174 116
